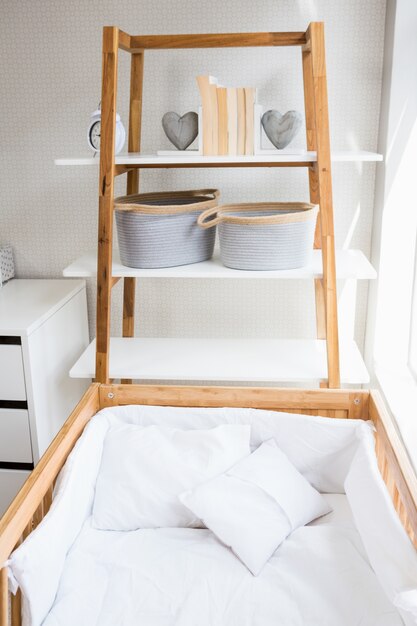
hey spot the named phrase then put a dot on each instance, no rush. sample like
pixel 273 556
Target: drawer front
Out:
pixel 12 378
pixel 15 445
pixel 10 483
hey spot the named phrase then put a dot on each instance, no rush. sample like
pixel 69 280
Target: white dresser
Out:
pixel 43 331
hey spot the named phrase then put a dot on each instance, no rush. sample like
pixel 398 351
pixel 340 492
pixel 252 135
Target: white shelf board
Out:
pixel 232 360
pixel 349 264
pixel 149 160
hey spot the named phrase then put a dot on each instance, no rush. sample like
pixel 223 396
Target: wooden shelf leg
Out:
pixel 313 184
pixel 106 193
pixel 135 118
pixel 318 138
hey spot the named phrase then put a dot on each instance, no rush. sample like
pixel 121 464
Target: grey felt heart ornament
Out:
pixel 281 129
pixel 181 131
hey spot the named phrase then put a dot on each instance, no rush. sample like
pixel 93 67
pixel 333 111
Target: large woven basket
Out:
pixel 268 236
pixel 160 229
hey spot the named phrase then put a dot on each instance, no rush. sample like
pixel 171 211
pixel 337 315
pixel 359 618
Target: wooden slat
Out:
pixel 106 187
pixel 135 116
pixel 47 499
pixel 118 170
pixel 38 515
pixel 256 397
pixel 311 140
pixel 17 519
pixel 316 58
pixel 134 140
pixel 330 299
pixel 16 608
pixel 4 598
pixel 313 184
pixel 396 462
pixel 124 41
pixel 219 40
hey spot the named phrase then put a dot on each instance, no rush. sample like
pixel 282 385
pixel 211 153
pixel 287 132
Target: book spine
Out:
pixel 206 103
pixel 214 116
pixel 250 98
pixel 232 120
pixel 241 121
pixel 222 120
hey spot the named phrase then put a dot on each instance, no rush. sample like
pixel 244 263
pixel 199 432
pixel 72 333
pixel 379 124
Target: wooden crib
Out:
pixel 34 499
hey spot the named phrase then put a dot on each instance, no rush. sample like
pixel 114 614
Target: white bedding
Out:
pixel 71 574
pixel 319 576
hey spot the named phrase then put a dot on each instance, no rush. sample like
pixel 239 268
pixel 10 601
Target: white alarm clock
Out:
pixel 94 133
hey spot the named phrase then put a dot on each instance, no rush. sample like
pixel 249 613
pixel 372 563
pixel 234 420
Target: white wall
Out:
pixel 395 216
pixel 394 239
pixel 51 65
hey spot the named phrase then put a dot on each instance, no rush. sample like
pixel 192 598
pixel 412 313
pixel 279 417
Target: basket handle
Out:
pixel 213 192
pixel 202 218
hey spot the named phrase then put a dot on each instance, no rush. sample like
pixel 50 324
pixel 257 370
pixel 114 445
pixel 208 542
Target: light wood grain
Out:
pixel 314 66
pixel 124 41
pixel 118 170
pixel 330 299
pixel 393 460
pixel 18 518
pixel 132 186
pixel 4 598
pixel 106 193
pixel 135 116
pixel 313 182
pixel 16 608
pixel 256 397
pixel 222 40
pixel 396 466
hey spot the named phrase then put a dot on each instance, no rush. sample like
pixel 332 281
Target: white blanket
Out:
pixel 320 576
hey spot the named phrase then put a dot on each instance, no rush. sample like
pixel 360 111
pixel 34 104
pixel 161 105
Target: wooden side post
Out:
pixel 135 127
pixel 318 138
pixel 106 185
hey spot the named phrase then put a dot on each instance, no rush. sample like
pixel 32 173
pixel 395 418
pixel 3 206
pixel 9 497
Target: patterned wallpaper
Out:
pixel 51 66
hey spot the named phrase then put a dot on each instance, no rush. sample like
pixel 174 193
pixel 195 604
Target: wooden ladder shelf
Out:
pixel 320 179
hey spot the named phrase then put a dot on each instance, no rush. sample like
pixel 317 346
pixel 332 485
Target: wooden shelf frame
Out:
pixel 318 139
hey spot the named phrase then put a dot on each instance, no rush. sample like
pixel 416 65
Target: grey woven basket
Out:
pixel 269 236
pixel 160 229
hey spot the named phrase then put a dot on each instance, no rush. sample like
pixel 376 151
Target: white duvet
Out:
pixel 320 576
pixel 73 575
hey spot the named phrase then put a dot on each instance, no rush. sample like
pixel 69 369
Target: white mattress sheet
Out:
pixel 319 576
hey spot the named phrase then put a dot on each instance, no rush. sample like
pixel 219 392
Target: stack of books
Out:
pixel 228 118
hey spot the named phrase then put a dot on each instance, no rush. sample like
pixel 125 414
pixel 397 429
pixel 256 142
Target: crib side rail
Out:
pixel 326 402
pixel 34 499
pixel 395 465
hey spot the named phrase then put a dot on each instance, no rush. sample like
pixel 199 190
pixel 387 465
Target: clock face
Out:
pixel 95 132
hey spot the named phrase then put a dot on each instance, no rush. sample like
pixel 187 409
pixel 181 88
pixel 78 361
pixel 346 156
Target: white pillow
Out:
pixel 256 504
pixel 321 449
pixel 143 471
